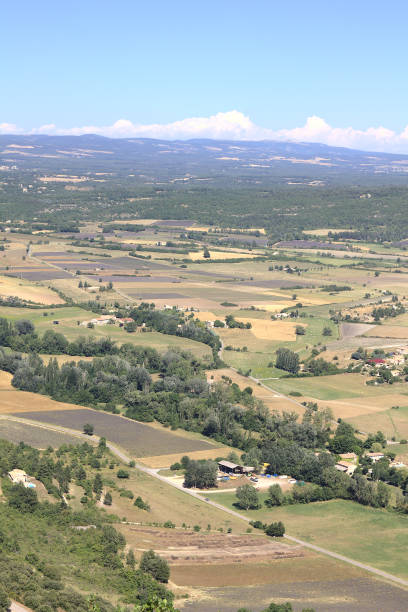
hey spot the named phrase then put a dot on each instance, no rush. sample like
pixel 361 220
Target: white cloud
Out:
pixel 9 128
pixel 234 125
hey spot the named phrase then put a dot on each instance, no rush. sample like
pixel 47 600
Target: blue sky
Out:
pixel 91 63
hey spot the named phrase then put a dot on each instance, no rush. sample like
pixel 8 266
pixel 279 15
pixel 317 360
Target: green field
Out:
pixel 337 386
pixel 373 536
pixel 262 351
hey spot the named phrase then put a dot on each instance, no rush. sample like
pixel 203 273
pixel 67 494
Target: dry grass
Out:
pixel 12 400
pixel 163 461
pixel 325 231
pixel 347 409
pixel 388 331
pixel 222 255
pixel 272 330
pixel 28 291
pixel 135 221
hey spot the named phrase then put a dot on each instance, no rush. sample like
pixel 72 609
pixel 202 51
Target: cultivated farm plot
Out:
pixel 35 436
pixel 311 583
pixel 139 439
pixel 271 330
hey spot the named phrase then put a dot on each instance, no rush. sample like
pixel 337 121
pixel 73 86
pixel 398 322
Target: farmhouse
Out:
pixel 349 457
pixel 375 456
pixel 19 477
pixel 346 467
pixel 233 468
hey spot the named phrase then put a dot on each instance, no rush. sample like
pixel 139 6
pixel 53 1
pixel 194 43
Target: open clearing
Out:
pixel 374 536
pixel 139 439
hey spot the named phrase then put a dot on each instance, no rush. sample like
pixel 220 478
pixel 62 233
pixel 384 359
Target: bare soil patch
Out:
pixel 179 546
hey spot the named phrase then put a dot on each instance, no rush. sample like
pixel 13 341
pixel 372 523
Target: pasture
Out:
pixel 374 536
pixel 336 386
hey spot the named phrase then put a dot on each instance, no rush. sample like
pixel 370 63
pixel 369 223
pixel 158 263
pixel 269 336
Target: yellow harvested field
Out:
pixel 388 331
pixel 273 307
pixel 222 255
pixel 61 359
pixel 28 291
pixel 325 231
pixel 206 315
pixel 271 330
pixel 164 461
pixel 135 221
pixel 12 400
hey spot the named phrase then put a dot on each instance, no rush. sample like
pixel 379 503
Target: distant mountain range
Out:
pixel 91 153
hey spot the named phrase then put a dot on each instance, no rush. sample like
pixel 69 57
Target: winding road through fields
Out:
pixel 118 452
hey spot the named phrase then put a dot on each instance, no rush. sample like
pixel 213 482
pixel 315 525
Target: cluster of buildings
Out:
pixel 108 320
pixel 349 461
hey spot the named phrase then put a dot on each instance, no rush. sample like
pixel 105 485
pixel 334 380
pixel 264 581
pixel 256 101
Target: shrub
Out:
pixel 126 493
pixel 139 503
pixel 122 474
pixel 276 530
pixel 155 566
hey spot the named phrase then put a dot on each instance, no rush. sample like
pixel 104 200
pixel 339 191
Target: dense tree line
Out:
pixel 175 323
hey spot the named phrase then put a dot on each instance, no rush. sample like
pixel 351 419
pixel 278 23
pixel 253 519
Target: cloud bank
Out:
pixel 234 125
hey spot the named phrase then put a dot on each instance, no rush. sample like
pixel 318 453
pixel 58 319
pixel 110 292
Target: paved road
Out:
pixel 154 473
